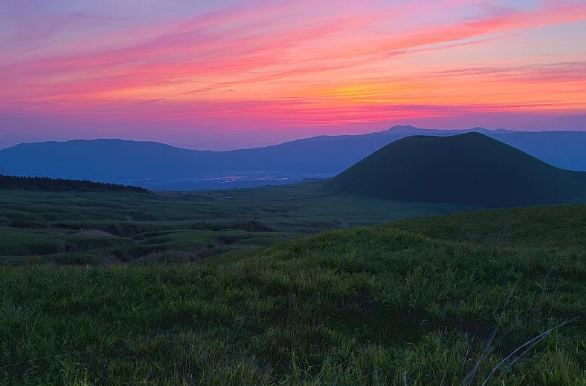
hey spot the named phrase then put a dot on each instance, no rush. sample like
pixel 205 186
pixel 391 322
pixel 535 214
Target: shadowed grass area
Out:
pixel 390 304
pixel 123 227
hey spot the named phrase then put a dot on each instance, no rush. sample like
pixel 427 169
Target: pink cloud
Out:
pixel 285 64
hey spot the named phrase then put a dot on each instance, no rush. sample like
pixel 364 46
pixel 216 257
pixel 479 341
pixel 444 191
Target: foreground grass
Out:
pixel 379 305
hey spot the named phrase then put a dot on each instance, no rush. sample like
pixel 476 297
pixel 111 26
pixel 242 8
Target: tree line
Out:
pixel 57 184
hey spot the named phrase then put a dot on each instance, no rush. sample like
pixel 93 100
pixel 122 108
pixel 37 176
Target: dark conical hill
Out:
pixel 466 169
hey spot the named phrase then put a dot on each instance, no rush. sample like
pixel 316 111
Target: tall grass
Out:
pixel 375 305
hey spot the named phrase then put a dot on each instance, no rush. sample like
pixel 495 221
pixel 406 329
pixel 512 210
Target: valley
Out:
pixel 160 167
pixel 114 227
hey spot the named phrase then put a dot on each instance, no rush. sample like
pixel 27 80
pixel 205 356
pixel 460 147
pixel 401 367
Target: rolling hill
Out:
pixel 383 305
pixel 468 169
pixel 162 167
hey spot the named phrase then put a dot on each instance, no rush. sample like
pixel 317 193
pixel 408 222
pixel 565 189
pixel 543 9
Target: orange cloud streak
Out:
pixel 279 63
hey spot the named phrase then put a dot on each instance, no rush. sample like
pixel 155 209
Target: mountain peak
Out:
pixel 469 168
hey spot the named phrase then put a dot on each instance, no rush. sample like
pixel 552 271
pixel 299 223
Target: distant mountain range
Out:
pixel 469 168
pixel 163 167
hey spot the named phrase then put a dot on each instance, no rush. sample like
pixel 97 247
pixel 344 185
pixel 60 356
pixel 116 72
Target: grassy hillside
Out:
pixel 403 303
pixel 467 169
pixel 122 227
pixel 543 227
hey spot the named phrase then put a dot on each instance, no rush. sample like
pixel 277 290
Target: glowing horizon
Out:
pixel 227 74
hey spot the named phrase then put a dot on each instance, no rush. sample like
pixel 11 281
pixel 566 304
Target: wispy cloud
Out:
pixel 294 63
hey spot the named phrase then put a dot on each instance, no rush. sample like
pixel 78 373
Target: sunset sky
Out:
pixel 224 74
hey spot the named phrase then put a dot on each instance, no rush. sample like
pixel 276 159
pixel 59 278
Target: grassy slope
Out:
pixel 549 226
pixel 94 227
pixel 374 305
pixel 469 169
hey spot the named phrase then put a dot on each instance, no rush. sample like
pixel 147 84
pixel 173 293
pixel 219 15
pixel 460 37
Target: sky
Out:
pixel 227 74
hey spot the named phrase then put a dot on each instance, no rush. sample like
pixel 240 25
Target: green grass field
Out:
pixel 117 227
pixel 496 297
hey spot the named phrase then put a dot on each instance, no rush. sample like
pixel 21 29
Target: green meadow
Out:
pixel 246 287
pixel 120 227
